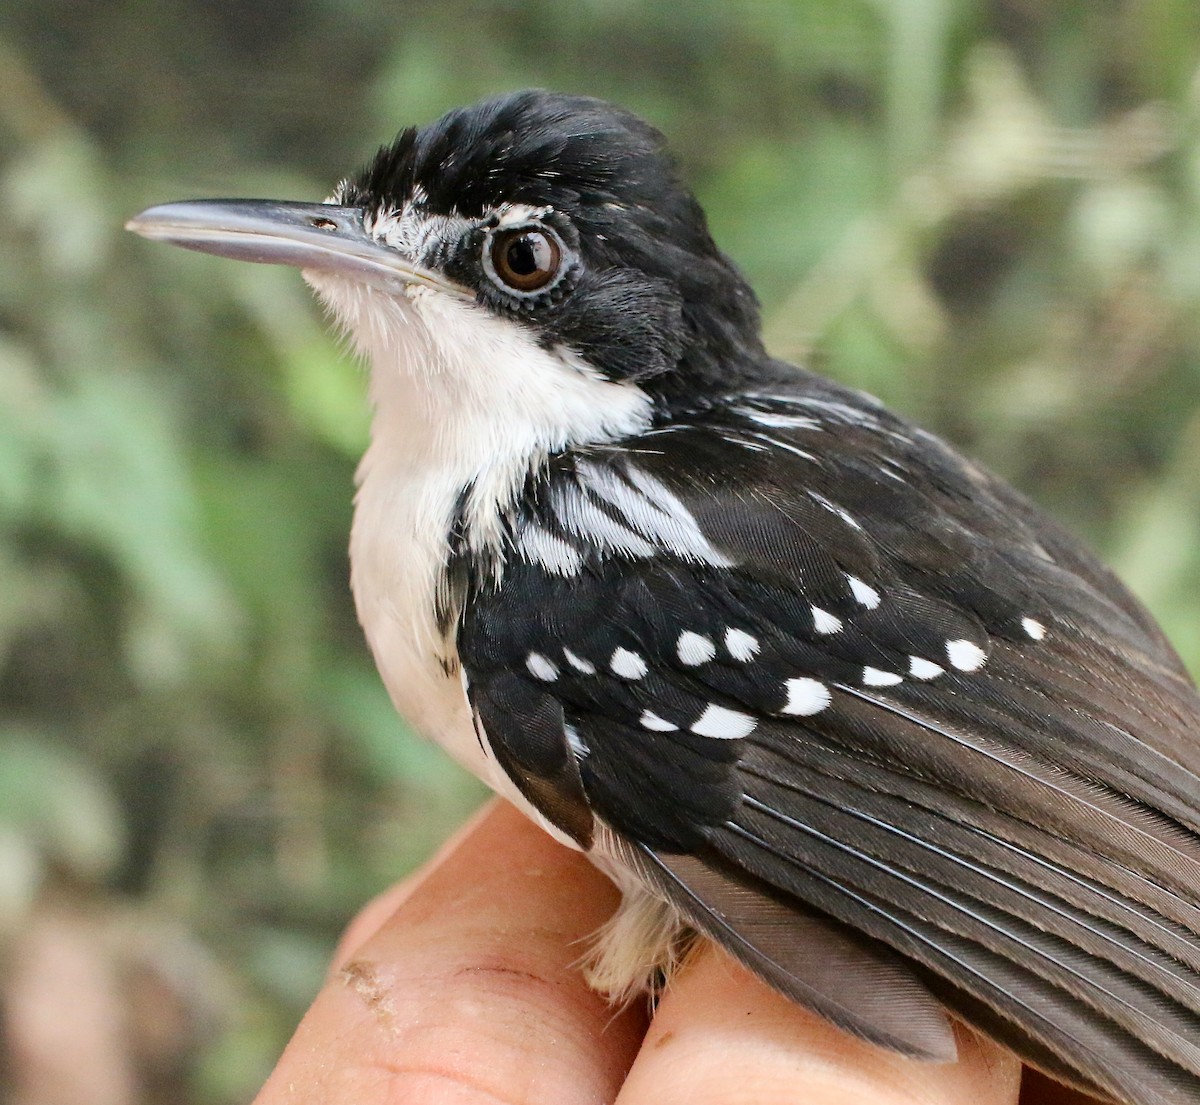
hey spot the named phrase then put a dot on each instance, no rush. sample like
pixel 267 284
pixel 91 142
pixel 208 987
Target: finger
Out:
pixel 468 991
pixel 721 1036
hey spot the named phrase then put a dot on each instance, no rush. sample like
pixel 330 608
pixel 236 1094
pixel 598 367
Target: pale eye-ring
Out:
pixel 525 259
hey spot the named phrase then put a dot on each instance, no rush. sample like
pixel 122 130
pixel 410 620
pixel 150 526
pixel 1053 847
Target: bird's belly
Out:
pixel 397 556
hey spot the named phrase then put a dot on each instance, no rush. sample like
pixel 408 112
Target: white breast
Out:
pixel 462 400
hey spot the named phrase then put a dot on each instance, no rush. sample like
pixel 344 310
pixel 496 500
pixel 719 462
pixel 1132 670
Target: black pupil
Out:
pixel 528 255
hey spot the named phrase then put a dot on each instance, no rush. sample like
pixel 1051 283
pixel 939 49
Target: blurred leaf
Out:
pixel 117 482
pixel 1120 225
pixel 287 964
pixel 55 189
pixel 21 874
pixel 383 742
pixel 56 801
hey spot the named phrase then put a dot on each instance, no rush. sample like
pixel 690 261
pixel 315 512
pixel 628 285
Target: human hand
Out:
pixel 461 986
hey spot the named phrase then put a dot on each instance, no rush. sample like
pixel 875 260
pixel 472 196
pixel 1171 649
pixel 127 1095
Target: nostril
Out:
pixel 323 223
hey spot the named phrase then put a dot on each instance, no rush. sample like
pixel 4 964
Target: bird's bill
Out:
pixel 321 237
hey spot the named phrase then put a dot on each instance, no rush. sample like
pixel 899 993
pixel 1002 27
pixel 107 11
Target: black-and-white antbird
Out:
pixel 790 669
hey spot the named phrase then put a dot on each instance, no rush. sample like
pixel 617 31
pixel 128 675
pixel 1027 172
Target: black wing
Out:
pixel 801 656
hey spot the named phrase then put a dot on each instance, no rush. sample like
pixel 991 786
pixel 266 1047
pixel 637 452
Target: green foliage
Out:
pixel 987 213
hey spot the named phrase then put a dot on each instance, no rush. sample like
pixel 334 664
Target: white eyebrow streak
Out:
pixel 518 214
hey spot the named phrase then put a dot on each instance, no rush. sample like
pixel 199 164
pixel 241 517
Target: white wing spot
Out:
pixel 541 668
pixel 965 655
pixel 651 720
pixel 694 649
pixel 741 645
pixel 579 663
pixel 628 665
pixel 805 697
pixel 824 622
pixel 876 677
pixel 723 724
pixel 1034 628
pixel 864 592
pixel 919 668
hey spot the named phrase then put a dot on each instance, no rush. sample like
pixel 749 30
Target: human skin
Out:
pixel 461 986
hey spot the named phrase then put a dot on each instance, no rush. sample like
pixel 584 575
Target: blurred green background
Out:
pixel 988 213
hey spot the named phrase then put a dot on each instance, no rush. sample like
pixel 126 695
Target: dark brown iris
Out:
pixel 526 259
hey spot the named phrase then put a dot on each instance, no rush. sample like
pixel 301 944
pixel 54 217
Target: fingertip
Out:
pixel 721 1035
pixel 463 985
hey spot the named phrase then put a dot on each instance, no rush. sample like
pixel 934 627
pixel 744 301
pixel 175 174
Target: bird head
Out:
pixel 533 219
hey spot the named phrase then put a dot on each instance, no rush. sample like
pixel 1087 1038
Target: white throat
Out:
pixel 463 402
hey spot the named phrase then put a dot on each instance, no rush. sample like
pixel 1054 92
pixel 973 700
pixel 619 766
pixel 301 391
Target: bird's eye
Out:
pixel 526 259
